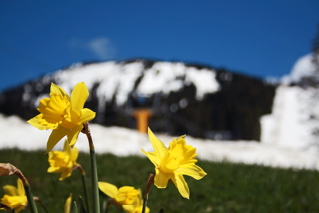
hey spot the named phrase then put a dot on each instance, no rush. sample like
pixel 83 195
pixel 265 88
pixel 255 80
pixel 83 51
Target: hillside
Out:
pixel 184 99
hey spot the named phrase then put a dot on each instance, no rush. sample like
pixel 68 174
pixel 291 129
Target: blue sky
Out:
pixel 258 38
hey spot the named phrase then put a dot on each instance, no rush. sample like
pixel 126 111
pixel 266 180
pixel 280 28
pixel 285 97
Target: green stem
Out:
pixel 96 200
pixel 41 203
pixel 145 203
pixel 31 202
pixel 78 166
pixel 85 194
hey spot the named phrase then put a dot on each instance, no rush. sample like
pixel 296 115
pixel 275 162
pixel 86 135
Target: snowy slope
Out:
pixel 123 142
pixel 294 121
pixel 119 79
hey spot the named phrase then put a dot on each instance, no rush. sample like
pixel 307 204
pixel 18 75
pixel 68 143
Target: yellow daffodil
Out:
pixel 174 162
pixel 125 195
pixel 63 114
pixel 15 198
pixel 63 161
pixel 136 206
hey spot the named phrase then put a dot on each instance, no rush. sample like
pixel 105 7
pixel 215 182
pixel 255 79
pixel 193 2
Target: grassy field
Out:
pixel 227 187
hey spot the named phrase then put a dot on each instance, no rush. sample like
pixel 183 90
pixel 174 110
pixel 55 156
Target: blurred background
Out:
pixel 208 69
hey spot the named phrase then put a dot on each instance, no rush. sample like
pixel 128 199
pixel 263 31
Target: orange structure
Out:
pixel 142 116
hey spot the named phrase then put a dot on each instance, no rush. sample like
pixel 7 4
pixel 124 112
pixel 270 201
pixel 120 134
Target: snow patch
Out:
pixel 123 142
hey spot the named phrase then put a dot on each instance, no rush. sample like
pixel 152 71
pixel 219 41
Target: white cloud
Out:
pixel 101 47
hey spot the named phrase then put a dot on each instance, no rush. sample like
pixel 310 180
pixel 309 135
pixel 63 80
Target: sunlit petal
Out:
pixel 108 189
pixel 79 96
pixel 10 190
pixel 65 174
pixel 35 122
pixel 158 145
pixel 56 136
pixel 74 154
pixel 73 135
pixel 66 147
pixel 181 185
pixel 153 157
pixel 55 89
pixel 194 171
pixel 86 115
pixel 161 179
pixel 20 188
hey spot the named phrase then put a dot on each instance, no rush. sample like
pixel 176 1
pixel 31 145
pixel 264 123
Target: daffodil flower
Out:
pixel 63 161
pixel 173 162
pixel 136 206
pixel 125 195
pixel 63 114
pixel 15 198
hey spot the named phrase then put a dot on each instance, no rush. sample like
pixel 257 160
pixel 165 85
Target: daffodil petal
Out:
pixel 66 147
pixel 55 89
pixel 194 171
pixel 35 122
pixel 129 208
pixel 86 115
pixel 56 136
pixel 65 173
pixel 108 189
pixel 21 190
pixel 73 135
pixel 53 170
pixel 10 190
pixel 158 145
pixel 74 154
pixel 181 185
pixel 79 96
pixel 153 158
pixel 161 179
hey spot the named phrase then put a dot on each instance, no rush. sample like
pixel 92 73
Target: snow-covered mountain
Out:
pixel 184 99
pixel 190 99
pixel 294 121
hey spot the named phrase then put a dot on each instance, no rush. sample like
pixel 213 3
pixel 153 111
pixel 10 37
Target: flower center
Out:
pixel 60 159
pixel 53 110
pixel 169 163
pixel 126 195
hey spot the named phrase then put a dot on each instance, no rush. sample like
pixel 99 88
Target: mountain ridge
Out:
pixel 192 99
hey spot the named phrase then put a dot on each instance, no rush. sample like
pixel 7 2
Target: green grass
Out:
pixel 227 187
